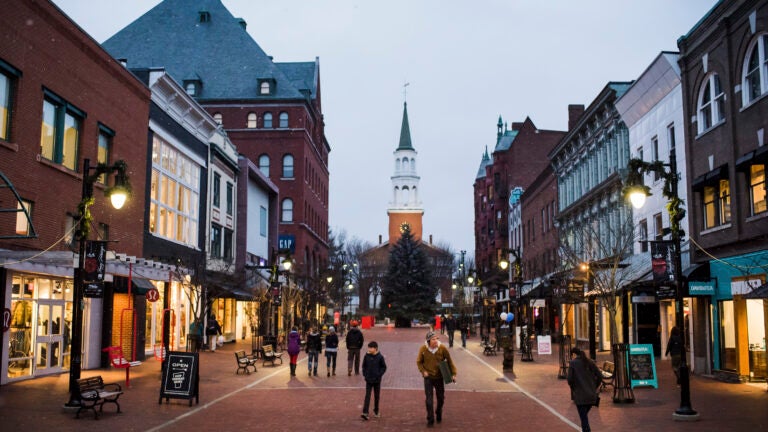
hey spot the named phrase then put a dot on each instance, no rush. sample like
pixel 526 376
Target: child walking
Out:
pixel 374 367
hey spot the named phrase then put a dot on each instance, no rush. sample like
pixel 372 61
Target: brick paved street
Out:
pixel 483 398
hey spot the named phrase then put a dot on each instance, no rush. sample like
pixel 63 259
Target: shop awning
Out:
pixel 698 272
pixel 140 285
pixel 760 292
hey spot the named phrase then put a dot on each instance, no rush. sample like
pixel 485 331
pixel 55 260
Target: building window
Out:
pixel 268 120
pixel 216 190
pixel 288 166
pixel 262 221
pixel 757 188
pixel 283 118
pixel 711 104
pixel 228 236
pixel 287 213
pixel 174 194
pixel 230 198
pixel 253 122
pixel 60 137
pixel 22 223
pixel 755 75
pixel 264 88
pixel 658 227
pixel 105 145
pixel 717 204
pixel 190 88
pixel 218 118
pixel 643 226
pixel 264 164
pixel 215 241
pixel 8 77
pixel 655 155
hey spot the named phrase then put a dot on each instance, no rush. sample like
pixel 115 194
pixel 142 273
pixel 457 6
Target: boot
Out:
pixel 349 372
pixel 314 371
pixel 293 370
pixel 334 371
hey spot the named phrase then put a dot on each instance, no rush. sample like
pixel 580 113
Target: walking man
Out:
pixel 450 327
pixel 428 361
pixel 374 368
pixel 355 342
pixel 464 329
pixel 584 378
pixel 313 349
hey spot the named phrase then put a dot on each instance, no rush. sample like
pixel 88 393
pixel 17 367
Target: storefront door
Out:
pixel 49 340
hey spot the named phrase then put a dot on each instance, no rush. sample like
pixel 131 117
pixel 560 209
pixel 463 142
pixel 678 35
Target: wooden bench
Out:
pixel 269 355
pixel 608 375
pixel 244 361
pixel 93 393
pixel 118 361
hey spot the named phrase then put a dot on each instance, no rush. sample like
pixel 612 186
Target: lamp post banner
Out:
pixel 661 261
pixel 95 261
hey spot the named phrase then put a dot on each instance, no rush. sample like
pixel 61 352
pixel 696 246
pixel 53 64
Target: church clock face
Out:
pixel 404 227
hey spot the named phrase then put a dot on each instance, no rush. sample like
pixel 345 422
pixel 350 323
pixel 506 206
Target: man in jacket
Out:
pixel 584 378
pixel 428 361
pixel 313 349
pixel 355 342
pixel 374 368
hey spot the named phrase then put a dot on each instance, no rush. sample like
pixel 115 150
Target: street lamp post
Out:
pixel 508 363
pixel 118 195
pixel 637 192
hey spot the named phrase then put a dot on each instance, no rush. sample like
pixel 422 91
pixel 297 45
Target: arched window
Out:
pixel 252 121
pixel 287 211
pixel 711 103
pixel 264 88
pixel 397 164
pixel 755 74
pixel 406 195
pixel 218 118
pixel 283 120
pixel 264 164
pixel 405 164
pixel 191 88
pixel 288 166
pixel 268 120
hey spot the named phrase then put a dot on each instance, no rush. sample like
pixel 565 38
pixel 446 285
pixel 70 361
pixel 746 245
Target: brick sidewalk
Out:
pixel 483 398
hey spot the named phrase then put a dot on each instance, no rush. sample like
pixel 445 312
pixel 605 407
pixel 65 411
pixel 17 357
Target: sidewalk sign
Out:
pixel 544 344
pixel 181 377
pixel 642 367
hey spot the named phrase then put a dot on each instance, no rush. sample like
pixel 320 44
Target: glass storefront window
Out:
pixel 728 336
pixel 756 335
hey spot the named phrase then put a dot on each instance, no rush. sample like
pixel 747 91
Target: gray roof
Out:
pixel 505 141
pixel 405 131
pixel 484 162
pixel 219 52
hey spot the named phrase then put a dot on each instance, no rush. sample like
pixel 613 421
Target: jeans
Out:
pixel 583 412
pixel 450 338
pixel 353 357
pixel 439 389
pixel 463 338
pixel 376 387
pixel 330 360
pixel 313 357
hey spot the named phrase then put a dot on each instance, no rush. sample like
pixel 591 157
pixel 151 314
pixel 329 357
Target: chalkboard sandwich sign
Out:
pixel 181 377
pixel 642 367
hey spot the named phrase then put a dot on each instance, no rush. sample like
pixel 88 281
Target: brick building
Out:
pixel 271 111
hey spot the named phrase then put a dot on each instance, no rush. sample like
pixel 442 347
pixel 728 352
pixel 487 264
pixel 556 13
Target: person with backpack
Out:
pixel 354 342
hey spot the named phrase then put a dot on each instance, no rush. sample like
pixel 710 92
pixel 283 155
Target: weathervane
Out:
pixel 405 91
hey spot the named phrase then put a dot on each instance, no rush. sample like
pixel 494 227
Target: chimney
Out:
pixel 574 114
pixel 379 238
pixel 430 239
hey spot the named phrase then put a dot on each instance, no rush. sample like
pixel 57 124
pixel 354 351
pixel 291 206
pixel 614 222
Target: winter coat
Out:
pixel 213 327
pixel 450 324
pixel 674 345
pixel 331 343
pixel 294 343
pixel 584 378
pixel 374 367
pixel 314 343
pixel 428 362
pixel 355 338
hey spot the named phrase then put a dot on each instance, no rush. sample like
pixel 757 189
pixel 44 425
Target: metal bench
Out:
pixel 607 371
pixel 269 355
pixel 93 393
pixel 244 361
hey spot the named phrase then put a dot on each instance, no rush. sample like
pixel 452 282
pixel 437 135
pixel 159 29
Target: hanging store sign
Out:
pixel 95 261
pixel 701 288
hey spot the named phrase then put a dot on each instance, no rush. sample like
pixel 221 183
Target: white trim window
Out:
pixel 174 194
pixel 287 211
pixel 711 104
pixel 754 80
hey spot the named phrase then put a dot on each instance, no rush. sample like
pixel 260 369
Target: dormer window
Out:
pixel 193 87
pixel 204 16
pixel 266 87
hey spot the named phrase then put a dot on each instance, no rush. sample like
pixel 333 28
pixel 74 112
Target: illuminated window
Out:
pixel 717 204
pixel 252 122
pixel 757 188
pixel 60 132
pixel 105 145
pixel 22 224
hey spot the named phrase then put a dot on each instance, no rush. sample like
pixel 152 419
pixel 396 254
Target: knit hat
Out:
pixel 430 335
pixel 332 329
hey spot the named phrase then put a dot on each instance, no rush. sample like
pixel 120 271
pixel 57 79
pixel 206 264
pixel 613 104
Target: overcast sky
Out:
pixel 467 62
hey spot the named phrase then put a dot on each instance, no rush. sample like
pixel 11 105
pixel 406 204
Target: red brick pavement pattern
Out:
pixel 483 398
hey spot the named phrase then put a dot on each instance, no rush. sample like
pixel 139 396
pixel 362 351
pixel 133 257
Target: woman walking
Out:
pixel 584 378
pixel 294 348
pixel 331 349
